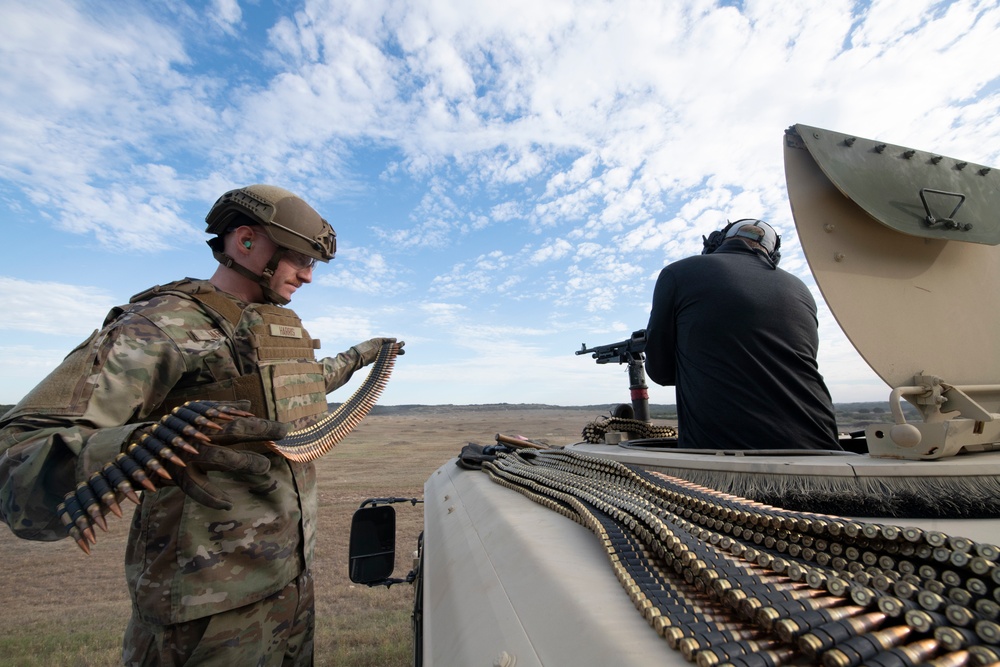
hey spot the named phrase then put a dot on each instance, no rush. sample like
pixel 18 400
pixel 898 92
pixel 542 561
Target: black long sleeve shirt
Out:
pixel 738 338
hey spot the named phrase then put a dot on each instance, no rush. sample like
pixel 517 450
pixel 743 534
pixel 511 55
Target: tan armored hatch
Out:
pixel 904 247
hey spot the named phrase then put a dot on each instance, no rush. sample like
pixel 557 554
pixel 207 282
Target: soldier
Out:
pixel 738 338
pixel 218 567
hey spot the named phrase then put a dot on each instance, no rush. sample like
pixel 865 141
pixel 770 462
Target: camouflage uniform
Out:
pixel 192 571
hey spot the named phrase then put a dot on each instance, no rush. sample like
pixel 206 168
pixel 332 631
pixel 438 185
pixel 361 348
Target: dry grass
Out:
pixel 61 607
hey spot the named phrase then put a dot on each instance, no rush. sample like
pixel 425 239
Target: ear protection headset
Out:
pixel 748 228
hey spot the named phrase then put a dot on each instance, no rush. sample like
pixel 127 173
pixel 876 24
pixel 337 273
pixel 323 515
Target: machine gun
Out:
pixel 629 352
pixel 621 352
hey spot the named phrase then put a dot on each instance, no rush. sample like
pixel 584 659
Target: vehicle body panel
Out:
pixel 504 575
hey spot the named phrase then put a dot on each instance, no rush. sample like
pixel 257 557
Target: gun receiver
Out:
pixel 621 352
pixel 627 352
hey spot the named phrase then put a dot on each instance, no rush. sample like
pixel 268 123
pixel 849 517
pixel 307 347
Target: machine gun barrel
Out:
pixel 621 352
pixel 629 352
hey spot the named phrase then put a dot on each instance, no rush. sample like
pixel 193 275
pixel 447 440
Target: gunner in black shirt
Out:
pixel 738 338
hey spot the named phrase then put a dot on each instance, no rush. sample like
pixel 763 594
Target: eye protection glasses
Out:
pixel 298 260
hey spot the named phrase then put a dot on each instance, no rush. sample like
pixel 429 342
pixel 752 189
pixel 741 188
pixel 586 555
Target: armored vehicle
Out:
pixel 630 551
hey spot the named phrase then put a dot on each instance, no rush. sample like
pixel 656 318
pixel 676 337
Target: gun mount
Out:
pixel 631 352
pixel 903 246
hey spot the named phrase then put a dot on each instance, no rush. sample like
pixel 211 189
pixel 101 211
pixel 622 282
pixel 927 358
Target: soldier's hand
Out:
pixel 234 449
pixel 248 430
pixel 370 348
pixel 193 479
pixel 174 450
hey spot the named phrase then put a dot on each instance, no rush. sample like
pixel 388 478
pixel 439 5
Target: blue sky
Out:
pixel 506 178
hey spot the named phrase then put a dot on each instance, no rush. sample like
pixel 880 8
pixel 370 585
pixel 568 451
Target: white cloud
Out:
pixel 427 234
pixel 491 377
pixel 443 313
pixel 364 271
pixel 22 366
pixel 558 153
pixel 487 273
pixel 51 308
pixel 340 330
pixel 226 14
pixel 556 249
pixel 84 90
pixel 603 285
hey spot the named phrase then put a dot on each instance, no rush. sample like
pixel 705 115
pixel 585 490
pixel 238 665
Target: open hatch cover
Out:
pixel 903 246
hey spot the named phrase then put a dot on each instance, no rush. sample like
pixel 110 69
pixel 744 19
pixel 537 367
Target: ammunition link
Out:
pixel 727 581
pixel 87 505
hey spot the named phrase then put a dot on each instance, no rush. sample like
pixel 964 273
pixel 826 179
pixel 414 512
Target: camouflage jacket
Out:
pixel 184 560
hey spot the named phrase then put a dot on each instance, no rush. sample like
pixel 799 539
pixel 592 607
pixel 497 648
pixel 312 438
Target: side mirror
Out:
pixel 372 550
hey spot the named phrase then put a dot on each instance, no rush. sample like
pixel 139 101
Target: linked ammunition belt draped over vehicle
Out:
pixel 727 581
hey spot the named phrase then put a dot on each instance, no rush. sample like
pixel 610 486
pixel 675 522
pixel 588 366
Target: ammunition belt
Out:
pixel 727 581
pixel 595 430
pixel 312 442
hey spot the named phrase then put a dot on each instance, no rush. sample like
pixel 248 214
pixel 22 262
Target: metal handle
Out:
pixel 949 222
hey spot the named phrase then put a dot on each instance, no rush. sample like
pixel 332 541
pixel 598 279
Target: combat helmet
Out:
pixel 287 220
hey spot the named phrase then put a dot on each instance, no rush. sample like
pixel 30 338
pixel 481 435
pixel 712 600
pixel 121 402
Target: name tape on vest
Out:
pixel 285 331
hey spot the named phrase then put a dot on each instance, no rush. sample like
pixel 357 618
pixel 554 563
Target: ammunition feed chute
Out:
pixel 597 431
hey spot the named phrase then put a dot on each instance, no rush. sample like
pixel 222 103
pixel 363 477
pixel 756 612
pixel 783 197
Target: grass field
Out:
pixel 63 608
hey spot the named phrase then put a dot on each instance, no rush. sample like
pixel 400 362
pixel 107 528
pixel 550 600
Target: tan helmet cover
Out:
pixel 286 218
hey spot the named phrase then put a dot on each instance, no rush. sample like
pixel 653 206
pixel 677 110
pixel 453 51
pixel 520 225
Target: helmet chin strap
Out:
pixel 263 280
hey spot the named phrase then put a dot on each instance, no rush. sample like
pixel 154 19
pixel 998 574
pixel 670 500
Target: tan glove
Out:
pixel 368 350
pixel 193 478
pixel 235 448
pixel 244 432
